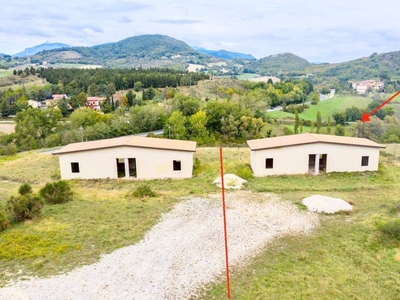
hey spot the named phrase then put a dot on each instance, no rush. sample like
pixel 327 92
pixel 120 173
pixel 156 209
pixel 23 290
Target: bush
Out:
pixel 144 191
pixel 390 229
pixel 244 171
pixel 25 207
pixel 25 189
pixel 3 220
pixel 57 192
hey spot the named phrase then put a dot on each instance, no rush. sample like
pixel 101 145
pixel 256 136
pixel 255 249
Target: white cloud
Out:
pixel 317 30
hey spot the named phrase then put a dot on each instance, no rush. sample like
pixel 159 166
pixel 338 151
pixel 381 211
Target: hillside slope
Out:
pixel 39 48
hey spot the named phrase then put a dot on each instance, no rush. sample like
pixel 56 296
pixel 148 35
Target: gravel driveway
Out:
pixel 180 254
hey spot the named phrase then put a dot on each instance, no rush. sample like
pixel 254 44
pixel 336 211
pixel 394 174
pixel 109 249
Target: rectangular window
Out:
pixel 177 165
pixel 269 163
pixel 364 161
pixel 75 167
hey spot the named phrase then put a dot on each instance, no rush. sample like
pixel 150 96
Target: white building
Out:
pixel 127 157
pixel 312 153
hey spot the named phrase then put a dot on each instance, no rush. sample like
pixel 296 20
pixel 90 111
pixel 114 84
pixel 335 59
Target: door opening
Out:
pixel 311 163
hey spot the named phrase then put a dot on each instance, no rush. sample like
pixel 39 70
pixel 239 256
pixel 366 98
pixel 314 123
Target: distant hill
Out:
pixel 225 54
pixel 384 65
pixel 38 48
pixel 143 50
pixel 278 64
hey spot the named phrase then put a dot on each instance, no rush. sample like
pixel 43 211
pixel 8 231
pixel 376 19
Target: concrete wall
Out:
pixel 294 159
pixel 150 163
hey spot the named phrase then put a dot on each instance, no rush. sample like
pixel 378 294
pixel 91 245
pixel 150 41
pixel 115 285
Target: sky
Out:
pixel 317 30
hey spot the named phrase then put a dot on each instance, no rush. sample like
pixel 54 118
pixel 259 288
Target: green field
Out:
pixel 325 107
pixel 329 106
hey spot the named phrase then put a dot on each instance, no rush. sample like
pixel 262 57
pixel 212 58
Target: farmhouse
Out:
pixel 127 157
pixel 312 153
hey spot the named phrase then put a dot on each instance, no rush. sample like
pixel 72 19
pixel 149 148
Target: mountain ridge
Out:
pixel 38 48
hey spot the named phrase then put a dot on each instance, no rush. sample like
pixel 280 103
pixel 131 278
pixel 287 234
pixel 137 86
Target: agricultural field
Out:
pixel 326 108
pixel 346 257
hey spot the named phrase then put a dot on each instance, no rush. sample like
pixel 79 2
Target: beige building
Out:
pixel 312 153
pixel 127 157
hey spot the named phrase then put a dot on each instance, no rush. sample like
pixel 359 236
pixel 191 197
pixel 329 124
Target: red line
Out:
pixel 384 103
pixel 228 286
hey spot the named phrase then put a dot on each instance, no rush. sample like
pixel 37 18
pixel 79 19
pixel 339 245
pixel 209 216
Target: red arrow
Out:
pixel 365 116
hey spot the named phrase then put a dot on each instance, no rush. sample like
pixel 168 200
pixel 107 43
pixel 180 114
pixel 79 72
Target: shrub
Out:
pixel 25 189
pixel 390 229
pixel 244 171
pixel 3 220
pixel 25 207
pixel 56 192
pixel 144 191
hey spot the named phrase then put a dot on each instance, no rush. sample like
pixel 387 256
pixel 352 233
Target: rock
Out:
pixel 329 205
pixel 231 181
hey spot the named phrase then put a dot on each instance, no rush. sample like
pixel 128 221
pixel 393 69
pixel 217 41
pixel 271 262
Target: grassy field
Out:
pixel 346 258
pixel 5 73
pixel 326 108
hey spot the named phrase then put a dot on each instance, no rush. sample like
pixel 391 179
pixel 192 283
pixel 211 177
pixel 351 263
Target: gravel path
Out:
pixel 184 251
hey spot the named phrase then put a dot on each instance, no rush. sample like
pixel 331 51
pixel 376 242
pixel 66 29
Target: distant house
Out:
pixel 34 103
pixel 94 102
pixel 361 87
pixel 127 157
pixel 312 153
pixel 55 98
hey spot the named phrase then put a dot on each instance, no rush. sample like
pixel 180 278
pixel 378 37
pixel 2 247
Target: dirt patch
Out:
pixel 7 127
pixel 179 255
pixel 265 79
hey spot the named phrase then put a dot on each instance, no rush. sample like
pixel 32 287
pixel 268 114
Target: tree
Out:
pixel 197 127
pixel 353 114
pixel 339 117
pixel 131 97
pixel 106 106
pixel 318 122
pixel 92 89
pixel 315 99
pixel 147 118
pixel 175 126
pixel 329 123
pixel 339 130
pixel 229 127
pixel 296 122
pixel 137 86
pixel 63 106
pixel 33 125
pixel 5 109
pixel 78 101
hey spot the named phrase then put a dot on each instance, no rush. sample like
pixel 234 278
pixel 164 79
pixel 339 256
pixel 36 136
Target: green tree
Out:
pixel 353 114
pixel 78 100
pixel 137 86
pixel 296 122
pixel 106 106
pixel 229 128
pixel 339 130
pixel 131 98
pixel 318 122
pixel 197 128
pixel 5 109
pixel 329 123
pixel 147 118
pixel 175 126
pixel 315 98
pixel 32 126
pixel 92 90
pixel 339 117
pixel 63 106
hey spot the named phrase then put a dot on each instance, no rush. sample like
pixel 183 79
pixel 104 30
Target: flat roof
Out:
pixel 130 141
pixel 309 138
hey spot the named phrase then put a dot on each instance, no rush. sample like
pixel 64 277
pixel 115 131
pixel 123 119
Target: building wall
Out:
pixel 294 159
pixel 150 163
